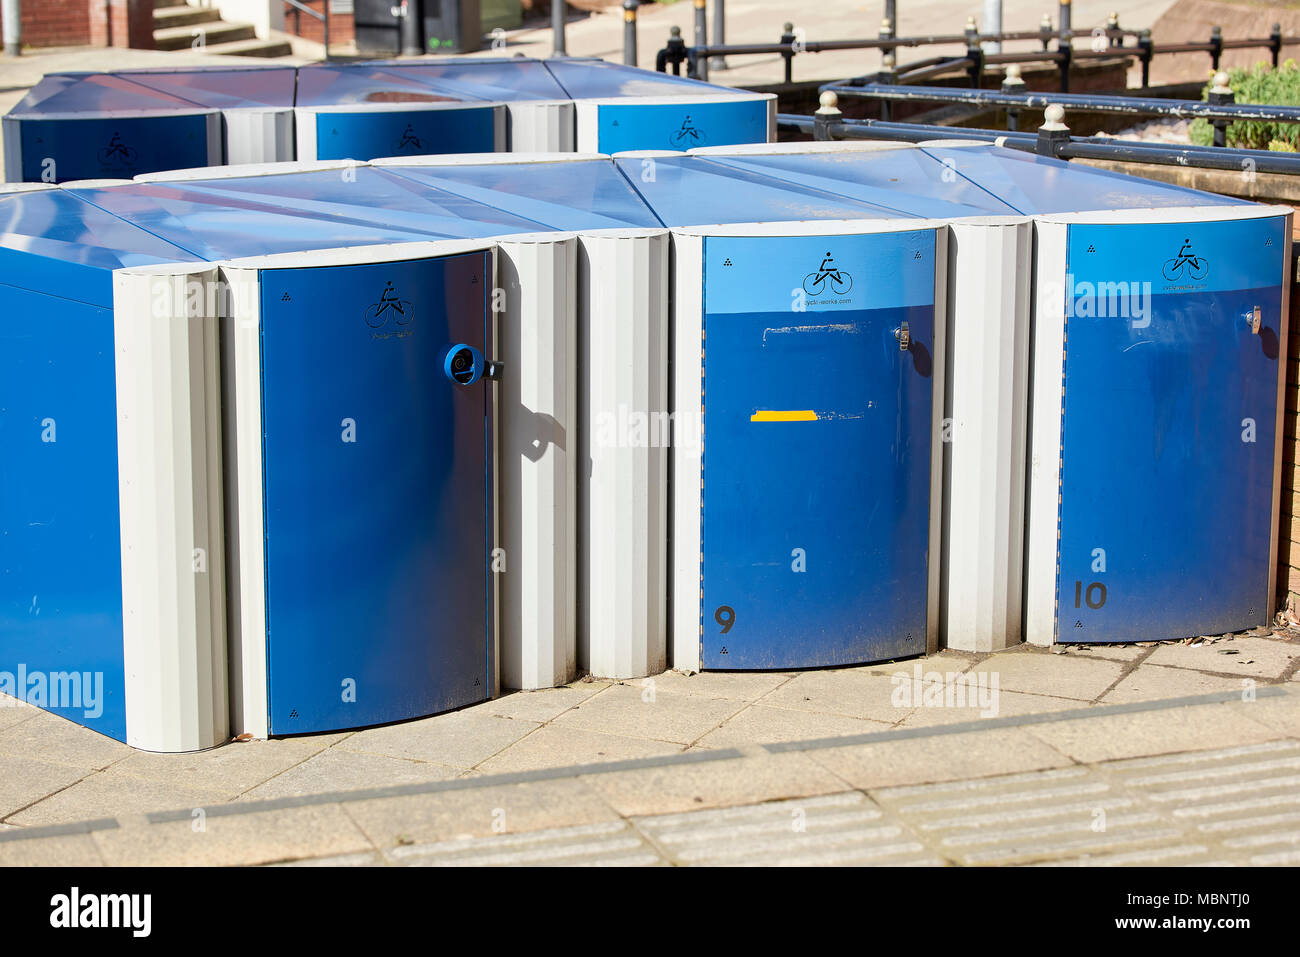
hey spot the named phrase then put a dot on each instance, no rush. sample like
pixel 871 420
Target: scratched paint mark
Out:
pixel 780 415
pixel 845 327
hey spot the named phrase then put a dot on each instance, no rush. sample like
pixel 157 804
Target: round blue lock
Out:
pixel 464 364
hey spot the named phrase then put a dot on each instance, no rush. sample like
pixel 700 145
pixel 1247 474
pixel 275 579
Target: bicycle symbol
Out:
pixel 688 136
pixel 377 312
pixel 815 282
pixel 1186 262
pixel 409 138
pixel 117 150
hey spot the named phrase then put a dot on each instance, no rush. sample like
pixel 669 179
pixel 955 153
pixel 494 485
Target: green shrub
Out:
pixel 1258 84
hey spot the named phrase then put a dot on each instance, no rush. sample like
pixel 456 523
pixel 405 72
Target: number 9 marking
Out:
pixel 725 616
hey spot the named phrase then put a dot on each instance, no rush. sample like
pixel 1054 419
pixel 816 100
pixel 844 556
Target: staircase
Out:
pixel 178 26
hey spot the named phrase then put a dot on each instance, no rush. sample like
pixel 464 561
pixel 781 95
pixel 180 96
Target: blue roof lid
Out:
pixel 571 194
pixel 906 179
pixel 52 241
pixel 1035 184
pixel 593 79
pixel 292 212
pixel 222 88
pixel 96 93
pixel 691 191
pixel 515 78
pixel 365 83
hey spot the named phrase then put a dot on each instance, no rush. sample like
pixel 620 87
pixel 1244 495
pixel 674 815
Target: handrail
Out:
pixel 324 17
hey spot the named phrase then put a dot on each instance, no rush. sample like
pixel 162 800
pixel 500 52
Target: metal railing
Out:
pixel 1052 139
pixel 324 17
pixel 1106 42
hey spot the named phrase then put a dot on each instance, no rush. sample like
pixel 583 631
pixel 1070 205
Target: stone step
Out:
pixel 214 33
pixel 258 48
pixel 183 16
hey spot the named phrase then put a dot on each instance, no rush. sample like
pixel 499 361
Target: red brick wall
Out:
pixel 309 28
pixel 121 23
pixel 50 23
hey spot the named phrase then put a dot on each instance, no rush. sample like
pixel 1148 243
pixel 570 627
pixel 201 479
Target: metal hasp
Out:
pixel 904 336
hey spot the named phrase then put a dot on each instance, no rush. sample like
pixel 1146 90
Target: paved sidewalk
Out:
pixel 625 771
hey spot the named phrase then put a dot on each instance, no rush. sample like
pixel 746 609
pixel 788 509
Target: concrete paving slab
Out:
pixel 1109 737
pixel 224 841
pixel 607 844
pixel 981 753
pixel 340 770
pixel 649 713
pixel 744 780
pixel 72 850
pixel 479 812
pixel 760 724
pixel 1149 681
pixel 1282 714
pixel 1108 652
pixel 558 745
pixel 13 711
pixel 59 741
pixel 545 704
pixel 1247 655
pixel 1041 672
pixel 1007 704
pixel 229 770
pixel 113 793
pixel 25 781
pixel 461 739
pixel 735 685
pixel 857 694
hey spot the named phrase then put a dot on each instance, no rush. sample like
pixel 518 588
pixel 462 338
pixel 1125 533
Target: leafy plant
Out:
pixel 1257 84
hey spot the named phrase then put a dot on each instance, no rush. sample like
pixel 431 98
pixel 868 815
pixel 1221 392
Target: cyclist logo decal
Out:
pixel 390 308
pixel 827 276
pixel 687 137
pixel 1186 265
pixel 117 155
pixel 410 141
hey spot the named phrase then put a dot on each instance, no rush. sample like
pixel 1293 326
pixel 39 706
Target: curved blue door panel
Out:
pixel 816 456
pixel 111 148
pixel 376 478
pixel 680 126
pixel 368 134
pixel 60 548
pixel 1169 429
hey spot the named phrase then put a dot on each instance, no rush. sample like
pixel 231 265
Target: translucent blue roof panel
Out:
pixel 591 79
pixel 907 179
pixel 1041 185
pixel 365 83
pixel 221 88
pixel 71 93
pixel 515 78
pixel 576 194
pixel 53 242
pixel 691 191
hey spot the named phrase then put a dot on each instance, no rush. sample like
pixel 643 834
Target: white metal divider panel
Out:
pixel 623 456
pixel 537 398
pixel 165 333
pixel 259 136
pixel 541 126
pixel 984 440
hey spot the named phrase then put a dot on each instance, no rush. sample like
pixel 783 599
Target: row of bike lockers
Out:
pixel 343 444
pixel 74 126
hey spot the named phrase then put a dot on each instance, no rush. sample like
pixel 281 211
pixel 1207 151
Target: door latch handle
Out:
pixel 494 370
pixel 1256 321
pixel 904 337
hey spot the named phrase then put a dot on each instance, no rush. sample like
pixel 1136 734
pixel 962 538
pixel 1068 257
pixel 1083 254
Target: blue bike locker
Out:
pixel 620 108
pixel 359 112
pixel 806 508
pixel 365 525
pixel 96 126
pixel 1159 361
pixel 112 595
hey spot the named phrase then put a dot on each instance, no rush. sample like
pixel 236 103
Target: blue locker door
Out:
pixel 680 126
pixel 368 134
pixel 1168 431
pixel 377 472
pixel 118 148
pixel 816 451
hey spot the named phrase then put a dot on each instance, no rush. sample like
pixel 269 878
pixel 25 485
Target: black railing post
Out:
pixel 1275 42
pixel 787 40
pixel 828 114
pixel 974 54
pixel 1216 46
pixel 558 10
pixel 720 31
pixel 1013 83
pixel 1112 30
pixel 1063 20
pixel 700 64
pixel 1045 31
pixel 889 54
pixel 676 50
pixel 1220 94
pixel 629 31
pixel 1053 134
pixel 1145 52
pixel 1066 52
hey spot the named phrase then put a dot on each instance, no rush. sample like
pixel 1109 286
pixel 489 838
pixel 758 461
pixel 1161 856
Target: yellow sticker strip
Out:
pixel 776 415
